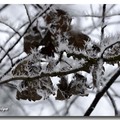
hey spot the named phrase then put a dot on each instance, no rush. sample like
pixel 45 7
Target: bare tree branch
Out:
pixel 53 105
pixel 102 92
pixel 92 17
pixel 11 68
pixel 108 48
pixel 103 22
pixel 70 104
pixel 7 55
pixel 3 7
pixel 38 15
pixel 113 103
pixel 16 32
pixel 27 12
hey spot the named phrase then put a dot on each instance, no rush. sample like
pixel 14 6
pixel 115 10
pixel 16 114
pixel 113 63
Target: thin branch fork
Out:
pixel 10 27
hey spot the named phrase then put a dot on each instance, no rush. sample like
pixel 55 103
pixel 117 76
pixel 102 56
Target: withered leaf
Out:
pixel 20 68
pixel 29 94
pixel 32 40
pixel 63 90
pixel 62 95
pixel 78 85
pixel 32 90
pixel 49 48
pixel 78 39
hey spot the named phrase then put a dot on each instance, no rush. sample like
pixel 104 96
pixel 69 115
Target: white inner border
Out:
pixel 59 1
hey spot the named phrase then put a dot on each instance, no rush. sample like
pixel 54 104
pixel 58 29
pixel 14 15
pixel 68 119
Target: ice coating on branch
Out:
pixel 110 44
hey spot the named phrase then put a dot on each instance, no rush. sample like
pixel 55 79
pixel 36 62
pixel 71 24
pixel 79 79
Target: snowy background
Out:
pixel 76 106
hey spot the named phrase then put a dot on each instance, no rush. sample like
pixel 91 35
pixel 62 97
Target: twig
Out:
pixel 99 16
pixel 103 22
pixel 100 62
pixel 7 41
pixel 38 15
pixel 54 107
pixel 27 13
pixel 113 103
pixel 3 7
pixel 92 17
pixel 7 55
pixel 10 28
pixel 108 48
pixel 39 6
pixel 102 92
pixel 61 60
pixel 14 34
pixel 115 93
pixel 70 104
pixel 11 67
pixel 112 6
pixel 17 55
pixel 60 57
pixel 10 85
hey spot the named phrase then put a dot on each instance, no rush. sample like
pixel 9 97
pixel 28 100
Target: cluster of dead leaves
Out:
pixel 77 86
pixel 42 87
